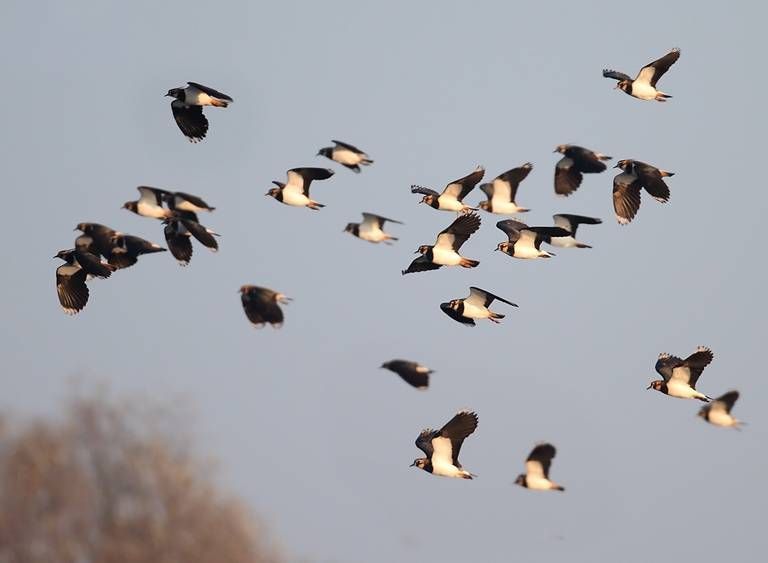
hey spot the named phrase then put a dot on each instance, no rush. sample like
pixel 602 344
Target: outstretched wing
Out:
pixel 458 189
pixel 210 91
pixel 424 442
pixel 512 228
pixel 626 197
pixel 347 146
pixel 190 120
pixel 571 222
pixel 505 185
pixel 451 436
pixel 540 460
pixel 377 220
pixel 615 74
pixel 422 190
pixel 694 365
pixel 651 72
pixel 459 231
pixel 482 298
pixel 153 196
pixel 302 177
pixel 666 365
pixel 420 264
pixel 651 179
pixel 567 177
pixel 725 402
pixel 455 315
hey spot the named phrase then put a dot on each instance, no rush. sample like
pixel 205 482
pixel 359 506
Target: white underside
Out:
pixel 644 91
pixel 447 470
pixel 372 233
pixel 445 257
pixel 344 156
pixel 151 210
pixel 475 311
pixel 501 207
pixel 721 418
pixel 291 197
pixel 564 242
pixel 538 483
pixel 447 203
pixel 184 205
pixel 526 252
pixel 682 391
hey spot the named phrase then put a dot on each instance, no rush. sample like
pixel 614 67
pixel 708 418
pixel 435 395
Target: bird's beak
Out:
pixel 616 87
pixel 267 193
pixel 417 252
pixel 413 464
pixel 649 387
pixel 617 165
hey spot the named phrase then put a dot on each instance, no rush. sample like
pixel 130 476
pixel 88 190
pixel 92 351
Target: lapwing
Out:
pixel 570 223
pixel 178 230
pixel 90 263
pixel 71 276
pixel 474 306
pixel 128 248
pixel 181 201
pixel 445 251
pixel 296 191
pixel 150 203
pixel 413 373
pixel 262 305
pixel 453 194
pixel 537 466
pixel 718 412
pixel 576 161
pixel 502 190
pixel 524 241
pixel 100 238
pixel 442 446
pixel 187 108
pixel 680 376
pixel 346 155
pixel 371 228
pixel 627 185
pixel 643 86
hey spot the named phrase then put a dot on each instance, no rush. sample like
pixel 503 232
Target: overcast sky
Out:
pixel 307 429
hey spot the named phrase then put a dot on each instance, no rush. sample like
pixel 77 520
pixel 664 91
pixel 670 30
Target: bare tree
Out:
pixel 116 483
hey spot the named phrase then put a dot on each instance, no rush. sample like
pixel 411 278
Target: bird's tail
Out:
pixel 523 210
pixel 665 174
pixel 366 161
pixel 496 315
pixel 603 156
pixel 315 206
pixel 467 263
pixel 582 245
pixel 216 102
pixel 558 488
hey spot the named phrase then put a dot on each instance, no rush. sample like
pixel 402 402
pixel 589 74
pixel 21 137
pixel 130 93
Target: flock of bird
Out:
pixel 100 250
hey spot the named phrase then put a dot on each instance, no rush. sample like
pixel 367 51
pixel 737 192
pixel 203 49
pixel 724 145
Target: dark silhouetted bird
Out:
pixel 346 155
pixel 636 175
pixel 179 229
pixel 71 277
pixel 475 306
pixel 576 161
pixel 537 465
pixel 453 194
pixel 445 251
pixel 442 446
pixel 262 305
pixel 187 108
pixel 296 191
pixel 644 84
pixel 680 376
pixel 413 373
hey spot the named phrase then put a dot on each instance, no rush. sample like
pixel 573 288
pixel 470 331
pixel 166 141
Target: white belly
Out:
pixel 150 210
pixel 643 91
pixel 449 204
pixel 505 207
pixel 538 483
pixel 681 390
pixel 563 242
pixel 445 257
pixel 293 198
pixel 475 311
pixel 446 470
pixel 372 234
pixel 526 252
pixel 344 156
pixel 187 206
pixel 720 418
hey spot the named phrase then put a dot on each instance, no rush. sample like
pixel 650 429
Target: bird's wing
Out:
pixel 193 199
pixel 447 443
pixel 446 308
pixel 153 196
pixel 544 234
pixel 422 190
pixel 93 265
pixel 424 442
pixel 626 197
pixel 458 189
pixel 260 306
pixel 458 232
pixel 409 373
pixel 725 401
pixel 513 229
pixel 651 72
pixel 564 221
pixel 178 240
pixel 506 184
pixel 377 220
pixel 567 177
pixel 299 179
pixel 85 243
pixel 71 288
pixel 615 74
pixel 539 461
pixel 203 235
pixel 651 179
pixel 482 298
pixel 585 160
pixel 347 146
pixel 694 365
pixel 210 91
pixel 420 264
pixel 666 364
pixel 190 120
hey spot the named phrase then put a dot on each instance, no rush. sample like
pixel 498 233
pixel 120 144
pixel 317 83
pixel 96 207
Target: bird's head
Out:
pixel 64 254
pixel 561 149
pixel 326 152
pixel 624 85
pixel 244 289
pixel 702 412
pixel 520 480
pixel 657 385
pixel 177 93
pixel 384 365
pixel 131 206
pixel 274 192
pixel 423 249
pixel 624 164
pixel 503 246
pixel 454 304
pixel 421 463
pixel 350 228
pixel 429 199
pixel 85 227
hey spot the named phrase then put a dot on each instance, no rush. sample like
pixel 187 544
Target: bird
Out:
pixel 442 446
pixel 627 185
pixel 413 373
pixel 71 276
pixel 445 251
pixel 98 238
pixel 453 194
pixel 187 108
pixel 576 161
pixel 718 412
pixel 680 376
pixel 643 86
pixel 181 201
pixel 128 248
pixel 474 306
pixel 150 203
pixel 537 465
pixel 502 190
pixel 262 305
pixel 524 241
pixel 371 228
pixel 346 155
pixel 571 223
pixel 178 230
pixel 296 191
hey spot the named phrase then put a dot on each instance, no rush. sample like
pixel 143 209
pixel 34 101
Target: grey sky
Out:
pixel 307 428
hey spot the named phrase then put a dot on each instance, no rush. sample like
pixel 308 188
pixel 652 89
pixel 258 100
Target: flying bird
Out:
pixel 501 192
pixel 71 276
pixel 636 175
pixel 576 161
pixel 150 203
pixel 718 412
pixel 127 249
pixel 296 191
pixel 570 223
pixel 371 228
pixel 262 305
pixel 537 466
pixel 187 108
pixel 445 251
pixel 451 199
pixel 346 155
pixel 184 202
pixel 644 84
pixel 179 229
pixel 524 241
pixel 475 306
pixel 442 446
pixel 680 376
pixel 413 373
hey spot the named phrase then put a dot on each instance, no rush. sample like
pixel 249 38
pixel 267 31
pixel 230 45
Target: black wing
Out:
pixel 459 231
pixel 585 160
pixel 71 288
pixel 626 197
pixel 260 306
pixel 421 264
pixel 567 177
pixel 308 174
pixel 179 243
pixel 446 308
pixel 543 454
pixel 210 91
pixel 190 120
pixel 696 362
pixel 653 71
pixel 422 190
pixel 616 75
pixel 457 429
pixel 666 364
pixel 513 177
pixel 512 229
pixel 157 194
pixel 193 199
pixel 728 399
pixel 651 179
pixel 461 187
pixel 424 442
pixel 487 296
pixel 347 146
pixel 93 265
pixel 410 373
pixel 203 235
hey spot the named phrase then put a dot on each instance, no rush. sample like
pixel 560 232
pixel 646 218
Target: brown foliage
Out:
pixel 111 484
